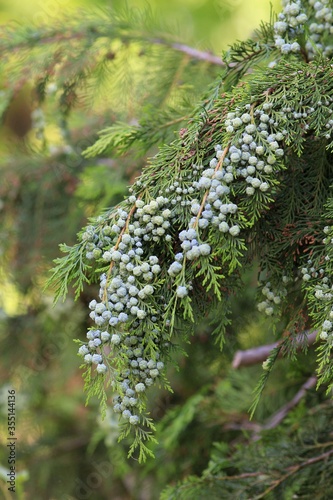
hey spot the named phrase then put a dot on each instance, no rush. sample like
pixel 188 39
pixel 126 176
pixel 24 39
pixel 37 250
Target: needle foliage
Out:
pixel 235 173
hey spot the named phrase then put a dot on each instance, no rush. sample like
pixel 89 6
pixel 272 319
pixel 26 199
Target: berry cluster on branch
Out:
pixel 299 16
pixel 199 214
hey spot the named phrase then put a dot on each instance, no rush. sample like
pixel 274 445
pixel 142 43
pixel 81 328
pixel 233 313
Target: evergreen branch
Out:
pixel 269 363
pixel 81 57
pixel 277 418
pixel 204 199
pixel 226 204
pixel 259 354
pixel 121 137
pixel 116 246
pixel 242 56
pixel 258 131
pixel 68 269
pixel 55 37
pixel 192 52
pixel 193 486
pixel 293 469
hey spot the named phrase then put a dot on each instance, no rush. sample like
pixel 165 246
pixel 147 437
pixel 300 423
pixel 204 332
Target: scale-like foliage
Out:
pixel 285 463
pixel 247 178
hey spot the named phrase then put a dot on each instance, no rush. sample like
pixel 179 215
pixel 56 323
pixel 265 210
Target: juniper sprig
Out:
pixel 248 177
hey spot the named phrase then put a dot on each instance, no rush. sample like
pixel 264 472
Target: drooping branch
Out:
pixel 56 37
pixel 259 354
pixel 193 53
pixel 293 469
pixel 277 418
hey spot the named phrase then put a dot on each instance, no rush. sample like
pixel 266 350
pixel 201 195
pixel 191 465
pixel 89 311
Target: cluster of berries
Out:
pixel 296 15
pixel 321 288
pixel 144 257
pixel 273 297
pixel 128 293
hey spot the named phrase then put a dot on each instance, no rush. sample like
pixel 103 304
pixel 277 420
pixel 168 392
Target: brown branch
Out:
pixel 259 354
pixel 277 418
pixel 67 37
pixel 218 166
pixel 193 53
pixel 292 470
pixel 245 475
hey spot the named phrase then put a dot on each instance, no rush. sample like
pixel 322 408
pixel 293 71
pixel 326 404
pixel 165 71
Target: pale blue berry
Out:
pixel 126 414
pixel 83 350
pixel 234 230
pixel 101 368
pixel 182 291
pixel 96 358
pixel 204 249
pixel 134 420
pixel 115 339
pixel 105 336
pixel 175 269
pixel 88 358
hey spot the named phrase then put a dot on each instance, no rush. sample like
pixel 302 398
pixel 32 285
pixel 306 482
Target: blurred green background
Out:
pixel 64 450
pixel 210 24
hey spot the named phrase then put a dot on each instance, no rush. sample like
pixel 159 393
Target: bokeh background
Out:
pixel 47 193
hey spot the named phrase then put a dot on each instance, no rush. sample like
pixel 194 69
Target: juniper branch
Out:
pixel 293 469
pixel 55 37
pixel 192 52
pixel 259 354
pixel 277 418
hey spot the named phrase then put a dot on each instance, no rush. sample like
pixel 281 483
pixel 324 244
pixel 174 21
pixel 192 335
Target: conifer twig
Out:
pixel 278 416
pixel 124 230
pixel 293 469
pixel 259 354
pixel 59 37
pixel 190 51
pixel 218 166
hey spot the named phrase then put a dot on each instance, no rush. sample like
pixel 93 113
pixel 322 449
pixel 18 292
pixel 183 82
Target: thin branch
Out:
pixel 292 470
pixel 277 418
pixel 190 51
pixel 218 166
pixel 61 37
pixel 259 354
pixel 245 475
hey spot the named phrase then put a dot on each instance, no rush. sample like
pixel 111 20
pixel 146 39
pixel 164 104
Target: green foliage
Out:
pixel 241 180
pixel 251 206
pixel 284 463
pixel 281 136
pixel 122 137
